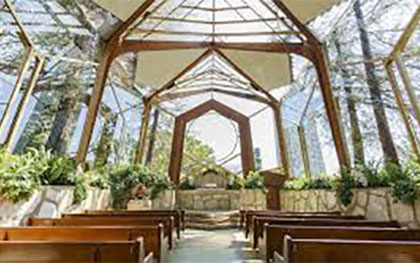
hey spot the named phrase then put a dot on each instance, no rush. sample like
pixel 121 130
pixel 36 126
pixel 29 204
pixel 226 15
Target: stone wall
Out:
pixel 374 203
pixel 51 201
pixel 220 199
pixel 165 200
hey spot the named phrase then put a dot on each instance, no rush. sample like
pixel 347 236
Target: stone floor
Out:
pixel 221 246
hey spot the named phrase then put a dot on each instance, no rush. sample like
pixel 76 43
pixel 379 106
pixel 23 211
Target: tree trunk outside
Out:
pixel 105 145
pixel 152 140
pixel 385 136
pixel 356 134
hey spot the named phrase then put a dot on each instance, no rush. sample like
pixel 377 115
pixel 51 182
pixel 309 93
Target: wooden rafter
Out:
pixel 247 152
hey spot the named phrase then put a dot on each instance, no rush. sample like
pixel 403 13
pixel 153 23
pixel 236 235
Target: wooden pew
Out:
pixel 259 222
pixel 346 251
pixel 177 215
pixel 108 221
pixel 73 251
pixel 153 238
pixel 243 214
pixel 250 217
pixel 274 235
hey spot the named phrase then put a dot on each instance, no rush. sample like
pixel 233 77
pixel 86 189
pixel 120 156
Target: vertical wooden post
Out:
pixel 403 110
pixel 143 131
pixel 18 86
pixel 304 151
pixel 23 103
pixel 95 104
pixel 284 152
pixel 247 148
pixel 399 61
pixel 331 107
pixel 177 151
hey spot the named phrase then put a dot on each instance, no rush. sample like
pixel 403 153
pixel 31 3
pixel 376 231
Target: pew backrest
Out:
pixel 152 235
pixel 176 215
pixel 274 235
pixel 346 251
pixel 108 221
pixel 249 216
pixel 72 251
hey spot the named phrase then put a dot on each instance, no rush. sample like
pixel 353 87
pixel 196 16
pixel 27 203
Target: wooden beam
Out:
pixel 140 31
pixel 208 22
pixel 30 54
pixel 177 151
pixel 14 127
pixel 408 85
pixel 138 158
pixel 247 153
pixel 312 39
pixel 406 35
pixel 254 84
pixel 111 51
pixel 211 9
pixel 282 141
pixel 304 151
pixel 189 93
pixel 403 110
pixel 171 83
pixel 144 45
pixel 331 108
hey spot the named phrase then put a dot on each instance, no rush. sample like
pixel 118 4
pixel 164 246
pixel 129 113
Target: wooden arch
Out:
pixel 181 121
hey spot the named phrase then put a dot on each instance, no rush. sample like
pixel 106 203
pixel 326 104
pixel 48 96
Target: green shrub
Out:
pixel 403 183
pixel 235 182
pixel 303 183
pixel 98 178
pixel 124 178
pixel 254 180
pixel 19 175
pixel 187 183
pixel 61 171
pixel 370 175
pixel 343 186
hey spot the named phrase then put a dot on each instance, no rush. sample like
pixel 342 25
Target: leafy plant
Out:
pixel 254 180
pixel 124 178
pixel 343 187
pixel 235 182
pixel 369 175
pixel 61 170
pixel 303 183
pixel 19 175
pixel 187 183
pixel 403 183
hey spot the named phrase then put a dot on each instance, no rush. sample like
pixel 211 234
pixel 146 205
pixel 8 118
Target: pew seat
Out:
pixel 108 221
pixel 74 251
pixel 153 239
pixel 348 251
pixel 274 235
pixel 259 222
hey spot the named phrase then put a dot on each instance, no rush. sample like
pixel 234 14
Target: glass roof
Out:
pixel 215 21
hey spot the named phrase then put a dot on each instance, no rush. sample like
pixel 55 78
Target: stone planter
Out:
pixel 138 205
pixel 253 199
pixel 51 201
pixel 165 200
pixel 374 203
pixel 220 199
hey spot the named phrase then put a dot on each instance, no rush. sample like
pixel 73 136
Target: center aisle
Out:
pixel 221 246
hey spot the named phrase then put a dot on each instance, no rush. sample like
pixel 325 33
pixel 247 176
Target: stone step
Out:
pixel 211 219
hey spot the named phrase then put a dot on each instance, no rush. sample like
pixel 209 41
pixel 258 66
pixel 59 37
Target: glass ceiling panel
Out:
pixel 217 20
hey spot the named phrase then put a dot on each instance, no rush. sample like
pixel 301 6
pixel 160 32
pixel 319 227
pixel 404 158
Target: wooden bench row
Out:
pixel 100 236
pixel 316 238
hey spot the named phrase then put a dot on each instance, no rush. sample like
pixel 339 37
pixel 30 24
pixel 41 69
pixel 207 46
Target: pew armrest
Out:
pixel 277 258
pixel 148 258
